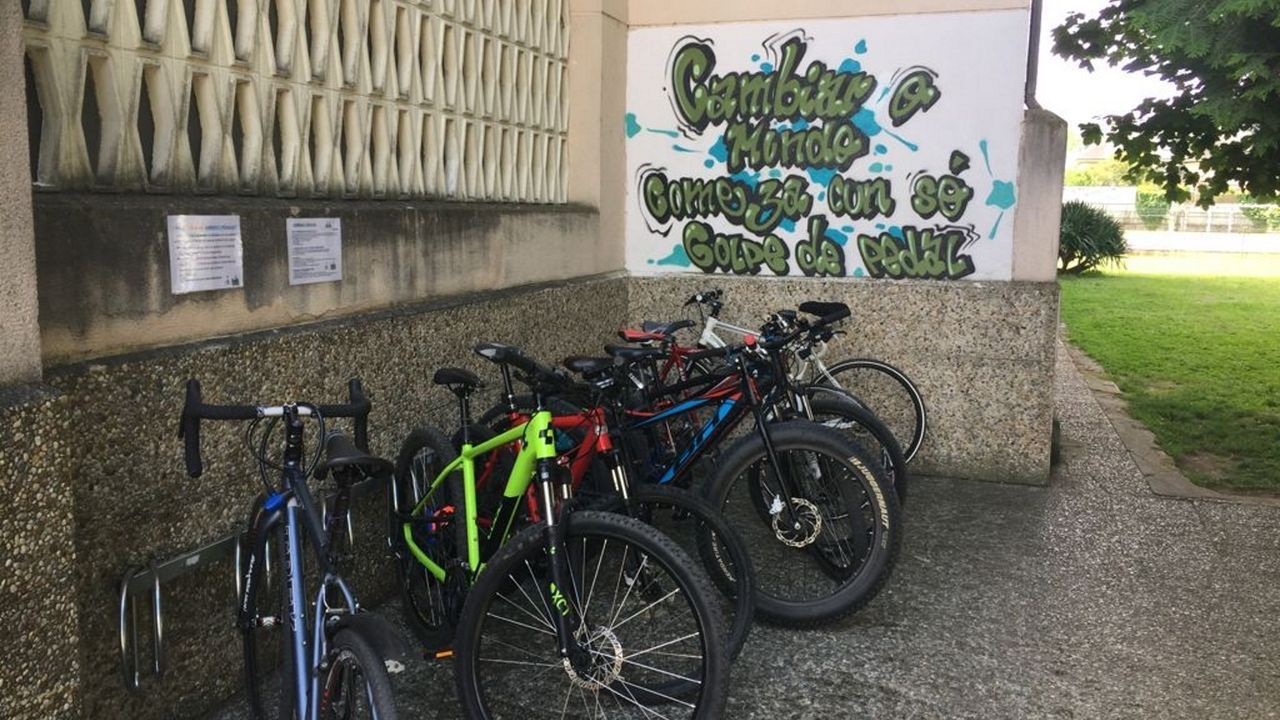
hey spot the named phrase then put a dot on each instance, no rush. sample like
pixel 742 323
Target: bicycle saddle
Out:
pixel 457 377
pixel 588 367
pixel 340 452
pixel 631 354
pixel 826 311
pixel 666 328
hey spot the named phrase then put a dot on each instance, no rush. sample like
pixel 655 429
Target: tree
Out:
pixel 1102 172
pixel 1222 126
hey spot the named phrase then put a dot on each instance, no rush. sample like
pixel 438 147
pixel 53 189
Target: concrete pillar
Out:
pixel 597 106
pixel 19 329
pixel 1041 160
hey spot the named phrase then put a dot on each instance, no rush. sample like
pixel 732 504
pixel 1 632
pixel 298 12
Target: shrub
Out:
pixel 1152 207
pixel 1089 237
pixel 1261 217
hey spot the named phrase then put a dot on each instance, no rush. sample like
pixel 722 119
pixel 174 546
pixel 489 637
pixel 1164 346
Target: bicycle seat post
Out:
pixel 464 410
pixel 508 388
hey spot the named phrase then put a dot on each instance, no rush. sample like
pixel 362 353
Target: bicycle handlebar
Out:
pixel 194 409
pixel 536 374
pixel 708 296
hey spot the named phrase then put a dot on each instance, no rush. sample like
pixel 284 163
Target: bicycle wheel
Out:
pixel 355 684
pixel 650 629
pixel 431 605
pixel 825 550
pixel 886 391
pixel 699 530
pixel 836 409
pixel 268 652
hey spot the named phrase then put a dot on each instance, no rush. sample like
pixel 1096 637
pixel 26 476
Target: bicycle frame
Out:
pixel 294 507
pixel 532 438
pixel 710 339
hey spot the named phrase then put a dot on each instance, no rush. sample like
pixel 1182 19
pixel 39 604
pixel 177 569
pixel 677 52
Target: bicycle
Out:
pixel 876 385
pixel 829 500
pixel 532 603
pixel 596 462
pixel 792 399
pixel 339 666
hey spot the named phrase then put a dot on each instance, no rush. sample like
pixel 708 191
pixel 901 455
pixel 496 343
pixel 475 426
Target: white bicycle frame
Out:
pixel 801 366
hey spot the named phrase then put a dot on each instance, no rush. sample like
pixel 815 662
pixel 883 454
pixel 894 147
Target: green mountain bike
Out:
pixel 582 613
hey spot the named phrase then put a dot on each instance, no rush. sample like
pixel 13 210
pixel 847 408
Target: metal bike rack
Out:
pixel 148 579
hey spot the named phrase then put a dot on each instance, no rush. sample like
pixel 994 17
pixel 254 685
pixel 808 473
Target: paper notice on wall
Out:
pixel 205 253
pixel 315 250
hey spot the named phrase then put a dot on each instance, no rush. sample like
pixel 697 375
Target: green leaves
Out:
pixel 1088 237
pixel 1221 129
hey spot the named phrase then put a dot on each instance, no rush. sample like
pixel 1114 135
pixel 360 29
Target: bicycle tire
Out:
pixel 349 654
pixel 269 673
pixel 861 492
pixel 528 549
pixel 430 605
pixel 836 409
pixel 723 553
pixel 911 430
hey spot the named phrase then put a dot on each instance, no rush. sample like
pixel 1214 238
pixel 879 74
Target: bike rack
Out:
pixel 148 579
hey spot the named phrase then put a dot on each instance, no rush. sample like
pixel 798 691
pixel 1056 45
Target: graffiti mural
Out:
pixel 874 147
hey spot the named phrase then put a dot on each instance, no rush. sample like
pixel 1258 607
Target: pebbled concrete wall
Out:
pixel 95 477
pixel 37 589
pixel 981 354
pixel 19 332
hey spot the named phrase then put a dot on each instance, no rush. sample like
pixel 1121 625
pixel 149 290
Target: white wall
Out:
pixel 975 64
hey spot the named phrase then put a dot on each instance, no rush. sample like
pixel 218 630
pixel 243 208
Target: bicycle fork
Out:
pixel 559 589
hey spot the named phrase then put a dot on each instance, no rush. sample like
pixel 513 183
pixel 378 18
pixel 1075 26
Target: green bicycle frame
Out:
pixel 536 443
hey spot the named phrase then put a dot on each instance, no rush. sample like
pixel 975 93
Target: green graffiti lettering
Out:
pixel 757 145
pixel 692 65
pixel 915 93
pixel 948 195
pixel 710 251
pixel 817 92
pixel 860 199
pixel 655 196
pixel 921 253
pixel 818 255
pixel 758 209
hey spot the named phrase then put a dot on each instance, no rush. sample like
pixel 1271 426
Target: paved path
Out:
pixel 1092 598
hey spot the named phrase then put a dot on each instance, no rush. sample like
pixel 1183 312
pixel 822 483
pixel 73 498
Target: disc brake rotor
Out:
pixel 800 527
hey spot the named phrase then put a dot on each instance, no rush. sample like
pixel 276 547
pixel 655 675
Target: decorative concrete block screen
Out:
pixel 879 147
pixel 460 99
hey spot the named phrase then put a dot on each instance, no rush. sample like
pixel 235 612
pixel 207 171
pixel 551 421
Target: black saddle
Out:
pixel 457 378
pixel 588 367
pixel 340 452
pixel 661 328
pixel 827 311
pixel 632 354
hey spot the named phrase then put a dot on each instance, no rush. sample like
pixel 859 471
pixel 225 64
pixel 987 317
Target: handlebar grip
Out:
pixel 189 430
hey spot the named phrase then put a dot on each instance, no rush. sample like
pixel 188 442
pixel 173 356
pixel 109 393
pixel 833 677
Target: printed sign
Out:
pixel 315 250
pixel 882 147
pixel 205 253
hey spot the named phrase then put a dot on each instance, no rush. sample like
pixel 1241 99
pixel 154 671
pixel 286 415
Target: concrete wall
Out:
pixel 19 333
pixel 95 482
pixel 980 353
pixel 103 267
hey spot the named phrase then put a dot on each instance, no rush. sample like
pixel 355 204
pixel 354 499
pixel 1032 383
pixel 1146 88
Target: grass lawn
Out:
pixel 1193 341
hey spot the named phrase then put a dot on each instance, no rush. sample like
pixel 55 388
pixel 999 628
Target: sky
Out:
pixel 1075 94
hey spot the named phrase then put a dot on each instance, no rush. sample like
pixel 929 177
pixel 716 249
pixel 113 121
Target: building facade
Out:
pixel 533 171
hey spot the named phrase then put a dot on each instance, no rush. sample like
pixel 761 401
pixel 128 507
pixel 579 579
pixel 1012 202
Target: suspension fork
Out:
pixel 757 410
pixel 541 437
